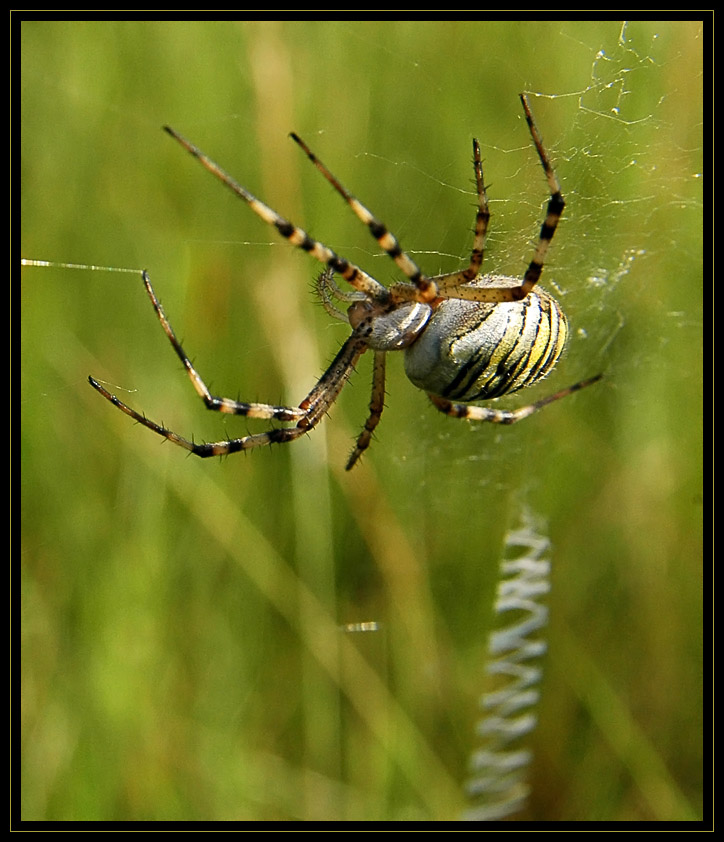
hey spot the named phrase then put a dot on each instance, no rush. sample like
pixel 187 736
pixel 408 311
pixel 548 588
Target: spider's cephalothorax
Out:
pixel 466 336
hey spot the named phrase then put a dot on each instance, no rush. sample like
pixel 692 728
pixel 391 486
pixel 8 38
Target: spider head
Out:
pixel 386 329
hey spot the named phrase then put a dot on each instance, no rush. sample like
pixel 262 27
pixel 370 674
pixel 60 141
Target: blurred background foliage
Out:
pixel 182 646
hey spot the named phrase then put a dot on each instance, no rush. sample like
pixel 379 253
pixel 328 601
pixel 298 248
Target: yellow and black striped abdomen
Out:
pixel 471 351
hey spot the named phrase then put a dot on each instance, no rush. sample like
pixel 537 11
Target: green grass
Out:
pixel 181 653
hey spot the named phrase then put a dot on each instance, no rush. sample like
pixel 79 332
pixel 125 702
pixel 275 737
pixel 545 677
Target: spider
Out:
pixel 466 336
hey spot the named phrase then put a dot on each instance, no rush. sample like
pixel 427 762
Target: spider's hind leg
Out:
pixel 502 416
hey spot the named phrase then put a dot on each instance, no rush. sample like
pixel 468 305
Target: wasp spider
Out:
pixel 466 336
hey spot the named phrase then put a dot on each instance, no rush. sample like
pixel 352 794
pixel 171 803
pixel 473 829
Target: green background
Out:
pixel 181 650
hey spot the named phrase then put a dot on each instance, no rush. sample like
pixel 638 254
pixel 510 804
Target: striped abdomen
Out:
pixel 470 351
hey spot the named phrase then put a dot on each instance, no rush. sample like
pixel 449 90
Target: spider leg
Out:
pixel 457 285
pixel 225 405
pixel 482 219
pixel 499 416
pixel 205 449
pixel 308 414
pixel 377 404
pixel 556 204
pixel 385 238
pixel 330 384
pixel 297 236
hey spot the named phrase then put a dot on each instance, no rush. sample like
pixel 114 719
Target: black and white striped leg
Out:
pixel 377 404
pixel 205 449
pixel 226 405
pixel 482 219
pixel 455 286
pixel 385 238
pixel 307 414
pixel 556 204
pixel 502 416
pixel 355 276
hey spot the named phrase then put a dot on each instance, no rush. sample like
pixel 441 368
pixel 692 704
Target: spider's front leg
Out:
pixel 217 448
pixel 226 405
pixel 307 414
